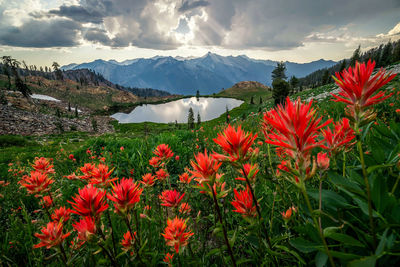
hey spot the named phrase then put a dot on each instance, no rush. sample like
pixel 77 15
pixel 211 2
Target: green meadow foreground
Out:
pixel 304 183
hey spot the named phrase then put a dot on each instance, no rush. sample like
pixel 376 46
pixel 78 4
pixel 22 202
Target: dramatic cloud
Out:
pixel 170 24
pixel 38 33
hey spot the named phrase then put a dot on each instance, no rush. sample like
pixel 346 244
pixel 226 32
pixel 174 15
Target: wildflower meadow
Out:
pixel 300 184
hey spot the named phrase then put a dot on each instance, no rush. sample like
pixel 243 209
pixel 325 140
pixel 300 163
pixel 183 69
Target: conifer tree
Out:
pixel 198 119
pixel 190 119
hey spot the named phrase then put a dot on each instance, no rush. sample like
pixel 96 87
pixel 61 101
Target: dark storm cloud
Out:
pixel 97 36
pixel 188 5
pixel 40 33
pixel 78 13
pixel 237 24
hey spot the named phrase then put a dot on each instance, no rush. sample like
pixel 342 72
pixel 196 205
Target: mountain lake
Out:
pixel 208 107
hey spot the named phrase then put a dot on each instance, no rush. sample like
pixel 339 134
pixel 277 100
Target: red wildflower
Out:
pixel 322 161
pixel 125 194
pixel 163 152
pixel 175 235
pixel 287 215
pixel 71 156
pixel 86 228
pixel 235 143
pixel 90 201
pixel 171 198
pixel 185 178
pixel 61 214
pixel 36 183
pixel 154 161
pixel 358 86
pixel 128 241
pixel 162 174
pixel 250 171
pixel 338 139
pixel 52 235
pixel 147 180
pixel 46 201
pixel 398 111
pixel 176 157
pixel 121 148
pixel 294 127
pixel 243 203
pixel 87 170
pixel 43 165
pixel 205 168
pixel 101 176
pixel 168 258
pixel 72 176
pixel 185 208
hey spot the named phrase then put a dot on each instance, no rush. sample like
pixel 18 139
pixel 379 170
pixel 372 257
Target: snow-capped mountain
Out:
pixel 208 74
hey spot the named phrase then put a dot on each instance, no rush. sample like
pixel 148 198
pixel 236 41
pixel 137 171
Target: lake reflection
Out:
pixel 208 107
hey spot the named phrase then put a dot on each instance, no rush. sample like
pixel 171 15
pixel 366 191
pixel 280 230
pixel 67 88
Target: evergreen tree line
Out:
pixel 383 55
pixel 20 70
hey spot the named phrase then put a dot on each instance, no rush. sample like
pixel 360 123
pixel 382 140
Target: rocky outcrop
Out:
pixel 250 84
pixel 17 121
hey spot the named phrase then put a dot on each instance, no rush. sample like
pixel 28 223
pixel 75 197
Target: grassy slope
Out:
pixel 90 96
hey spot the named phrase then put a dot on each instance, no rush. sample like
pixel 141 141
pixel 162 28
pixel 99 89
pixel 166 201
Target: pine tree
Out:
pixel 198 95
pixel 228 117
pixel 356 56
pixel 198 119
pixel 343 65
pixel 252 100
pixel 386 56
pixel 190 119
pixel 279 71
pixel 294 82
pixel 325 77
pixel 261 100
pixel 280 90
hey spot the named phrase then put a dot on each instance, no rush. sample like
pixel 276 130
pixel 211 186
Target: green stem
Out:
pixel 344 164
pixel 257 206
pixel 364 171
pixel 321 234
pixel 64 256
pixel 112 231
pixel 223 228
pixel 395 185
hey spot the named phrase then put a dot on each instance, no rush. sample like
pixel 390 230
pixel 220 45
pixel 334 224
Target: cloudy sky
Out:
pixel 67 31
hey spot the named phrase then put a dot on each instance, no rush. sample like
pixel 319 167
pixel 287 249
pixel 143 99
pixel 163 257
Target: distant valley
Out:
pixel 208 74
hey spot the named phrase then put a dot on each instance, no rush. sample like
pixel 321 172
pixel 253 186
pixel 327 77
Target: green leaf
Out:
pixel 303 245
pixel 291 251
pixel 363 262
pixel 344 256
pixel 321 259
pixel 330 199
pixel 345 239
pixel 382 243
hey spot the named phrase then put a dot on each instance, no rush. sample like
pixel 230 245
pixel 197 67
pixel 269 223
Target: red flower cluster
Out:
pixel 338 139
pixel 243 203
pixel 358 86
pixel 171 198
pixel 205 167
pixel 86 228
pixel 52 235
pixel 125 194
pixel 295 128
pixel 163 152
pixel 90 201
pixel 148 180
pixel 37 183
pixel 61 214
pixel 235 143
pixel 43 165
pixel 175 235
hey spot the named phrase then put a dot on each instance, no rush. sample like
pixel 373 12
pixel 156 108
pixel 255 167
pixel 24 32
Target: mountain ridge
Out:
pixel 208 74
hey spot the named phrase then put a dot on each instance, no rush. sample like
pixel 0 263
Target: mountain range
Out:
pixel 208 74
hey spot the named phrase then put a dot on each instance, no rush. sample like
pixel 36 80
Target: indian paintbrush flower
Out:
pixel 175 235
